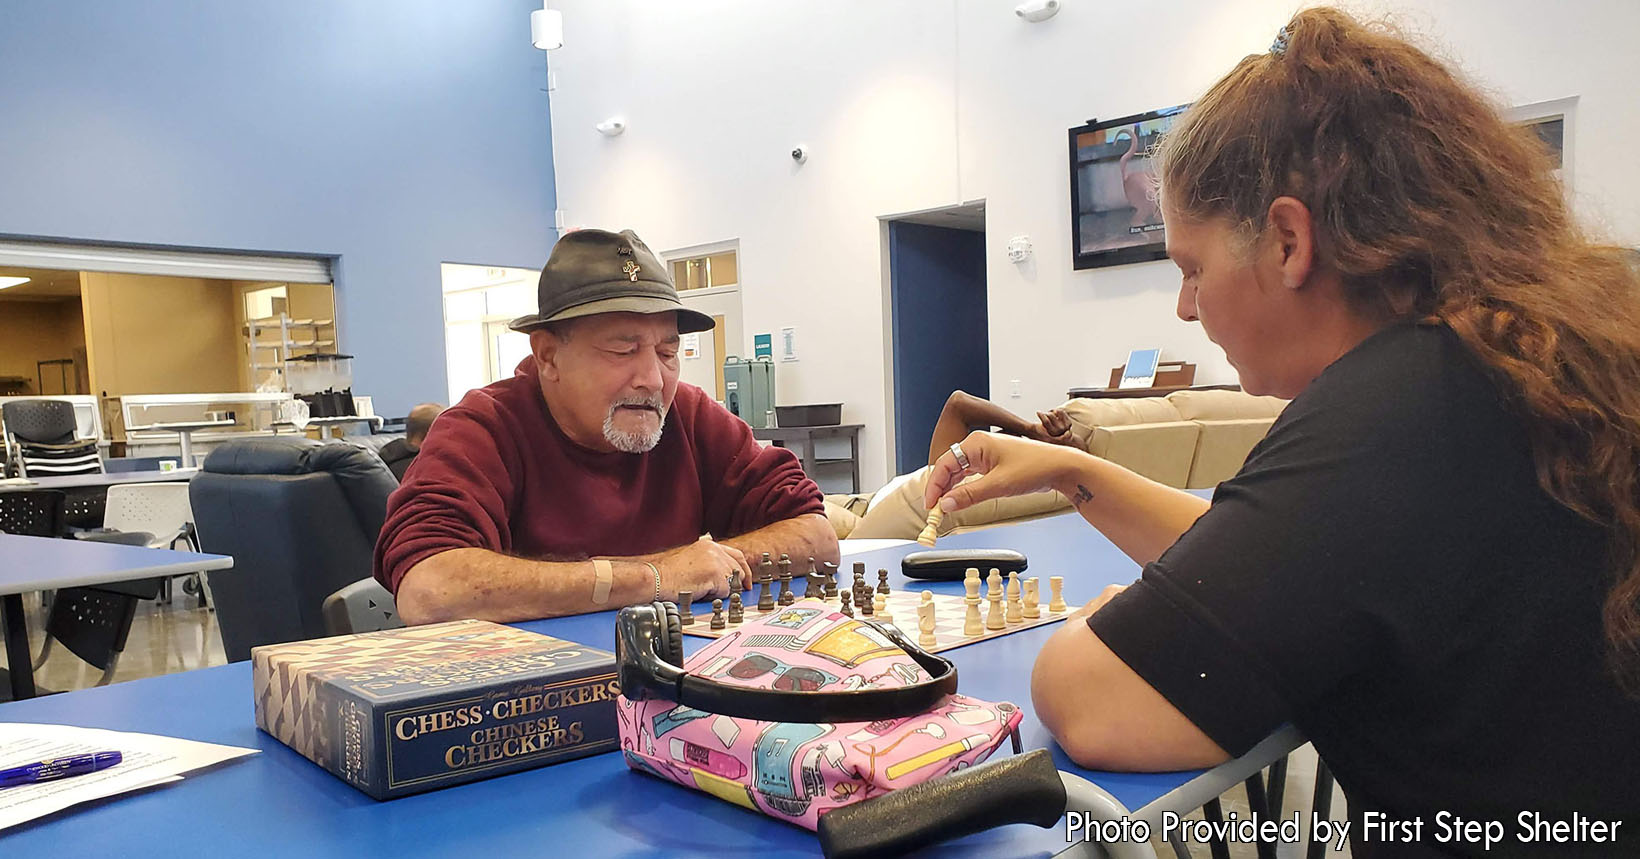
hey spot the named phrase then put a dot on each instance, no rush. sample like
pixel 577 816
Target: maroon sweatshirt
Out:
pixel 497 473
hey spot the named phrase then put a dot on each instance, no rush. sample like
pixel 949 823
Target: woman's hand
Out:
pixel 1009 466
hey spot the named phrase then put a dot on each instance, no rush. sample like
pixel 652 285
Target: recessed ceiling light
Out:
pixel 7 282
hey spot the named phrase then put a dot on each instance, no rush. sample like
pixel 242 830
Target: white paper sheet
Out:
pixel 149 760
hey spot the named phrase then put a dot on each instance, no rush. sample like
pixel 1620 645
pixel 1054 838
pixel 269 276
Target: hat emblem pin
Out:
pixel 631 270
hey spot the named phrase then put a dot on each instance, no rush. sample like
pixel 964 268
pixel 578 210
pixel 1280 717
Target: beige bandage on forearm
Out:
pixel 604 573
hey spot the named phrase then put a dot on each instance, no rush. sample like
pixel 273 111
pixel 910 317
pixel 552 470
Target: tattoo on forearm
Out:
pixel 1082 495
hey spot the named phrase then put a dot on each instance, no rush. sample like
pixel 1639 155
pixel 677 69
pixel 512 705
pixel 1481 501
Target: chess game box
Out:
pixel 404 711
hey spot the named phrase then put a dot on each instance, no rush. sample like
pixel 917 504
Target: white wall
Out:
pixel 892 96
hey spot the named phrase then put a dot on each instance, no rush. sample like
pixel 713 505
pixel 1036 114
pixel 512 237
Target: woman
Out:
pixel 1431 563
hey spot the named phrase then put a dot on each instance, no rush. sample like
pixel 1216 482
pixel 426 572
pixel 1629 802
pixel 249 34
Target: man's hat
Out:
pixel 596 271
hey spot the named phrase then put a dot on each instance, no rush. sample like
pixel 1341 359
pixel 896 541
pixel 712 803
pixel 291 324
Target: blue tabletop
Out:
pixel 45 563
pixel 279 804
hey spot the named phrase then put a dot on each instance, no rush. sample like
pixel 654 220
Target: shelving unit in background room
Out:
pixel 270 341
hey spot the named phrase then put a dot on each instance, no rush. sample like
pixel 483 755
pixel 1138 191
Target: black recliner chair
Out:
pixel 300 519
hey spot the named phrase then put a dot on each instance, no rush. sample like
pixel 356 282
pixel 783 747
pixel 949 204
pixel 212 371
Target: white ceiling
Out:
pixel 967 217
pixel 44 284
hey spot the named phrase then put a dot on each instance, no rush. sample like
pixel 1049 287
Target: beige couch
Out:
pixel 1188 439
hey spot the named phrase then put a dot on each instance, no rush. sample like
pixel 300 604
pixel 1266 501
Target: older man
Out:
pixel 592 478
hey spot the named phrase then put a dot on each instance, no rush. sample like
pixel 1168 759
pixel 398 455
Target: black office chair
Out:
pixel 92 622
pixel 32 513
pixel 40 439
pixel 300 519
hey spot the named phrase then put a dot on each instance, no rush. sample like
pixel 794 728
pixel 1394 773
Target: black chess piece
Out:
pixel 845 607
pixel 737 610
pixel 831 580
pixel 785 565
pixel 882 582
pixel 864 600
pixel 765 594
pixel 686 611
pixel 717 615
pixel 814 585
pixel 786 595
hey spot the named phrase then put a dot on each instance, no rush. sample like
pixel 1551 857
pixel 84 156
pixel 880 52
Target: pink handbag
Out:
pixel 798 771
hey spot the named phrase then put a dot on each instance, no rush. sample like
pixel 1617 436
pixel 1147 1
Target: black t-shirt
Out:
pixel 1386 574
pixel 398 454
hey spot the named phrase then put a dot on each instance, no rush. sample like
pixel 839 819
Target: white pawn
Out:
pixel 925 624
pixel 971 623
pixel 1056 585
pixel 993 584
pixel 1033 609
pixel 879 609
pixel 994 619
pixel 1015 609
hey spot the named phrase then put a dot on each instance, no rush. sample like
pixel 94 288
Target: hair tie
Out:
pixel 1279 46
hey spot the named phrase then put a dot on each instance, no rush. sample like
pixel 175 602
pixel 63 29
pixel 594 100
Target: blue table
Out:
pixel 279 804
pixel 46 564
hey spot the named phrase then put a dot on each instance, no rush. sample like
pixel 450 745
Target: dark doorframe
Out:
pixel 939 328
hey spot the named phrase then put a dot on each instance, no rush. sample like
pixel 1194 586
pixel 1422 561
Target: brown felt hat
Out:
pixel 596 271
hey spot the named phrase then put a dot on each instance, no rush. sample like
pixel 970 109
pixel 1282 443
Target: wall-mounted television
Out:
pixel 1115 218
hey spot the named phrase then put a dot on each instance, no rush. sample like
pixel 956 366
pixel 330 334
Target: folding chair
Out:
pixel 40 439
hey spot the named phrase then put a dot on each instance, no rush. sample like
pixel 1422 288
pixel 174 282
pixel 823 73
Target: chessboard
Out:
pixel 950 611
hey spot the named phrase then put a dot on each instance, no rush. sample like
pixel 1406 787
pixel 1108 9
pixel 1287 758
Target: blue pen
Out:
pixel 59 768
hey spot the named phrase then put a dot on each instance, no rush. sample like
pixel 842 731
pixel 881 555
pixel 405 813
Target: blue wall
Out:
pixel 941 341
pixel 393 135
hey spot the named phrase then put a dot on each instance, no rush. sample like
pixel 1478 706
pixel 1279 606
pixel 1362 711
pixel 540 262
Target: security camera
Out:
pixel 800 153
pixel 1037 10
pixel 611 126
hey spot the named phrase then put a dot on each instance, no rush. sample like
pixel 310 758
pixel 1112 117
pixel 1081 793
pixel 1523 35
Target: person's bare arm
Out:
pixel 1142 517
pixel 479 583
pixel 800 538
pixel 963 412
pixel 1103 714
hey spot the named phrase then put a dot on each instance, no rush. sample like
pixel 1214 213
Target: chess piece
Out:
pixel 971 624
pixel 737 609
pixel 686 612
pixel 765 592
pixel 880 609
pixel 734 582
pixel 994 617
pixel 717 615
pixel 786 595
pixel 859 577
pixel 993 584
pixel 1015 609
pixel 932 529
pixel 785 567
pixel 830 570
pixel 846 607
pixel 1032 609
pixel 925 622
pixel 1056 586
pixel 862 598
pixel 814 586
pixel 882 582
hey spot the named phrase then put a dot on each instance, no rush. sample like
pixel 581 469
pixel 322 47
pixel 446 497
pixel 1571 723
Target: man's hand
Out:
pixel 703 568
pixel 1052 426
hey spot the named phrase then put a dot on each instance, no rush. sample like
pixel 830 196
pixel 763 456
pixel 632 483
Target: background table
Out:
pixel 279 804
pixel 805 437
pixel 103 481
pixel 46 564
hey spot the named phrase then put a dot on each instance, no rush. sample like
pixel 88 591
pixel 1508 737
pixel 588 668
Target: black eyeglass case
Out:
pixel 950 564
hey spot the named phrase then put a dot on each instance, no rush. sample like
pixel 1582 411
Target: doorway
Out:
pixel 938 322
pixel 708 281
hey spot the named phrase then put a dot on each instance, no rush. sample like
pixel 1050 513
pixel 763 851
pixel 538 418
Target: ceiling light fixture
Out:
pixel 547 29
pixel 9 282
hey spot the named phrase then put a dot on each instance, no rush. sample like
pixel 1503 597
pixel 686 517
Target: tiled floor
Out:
pixel 164 639
pixel 178 637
